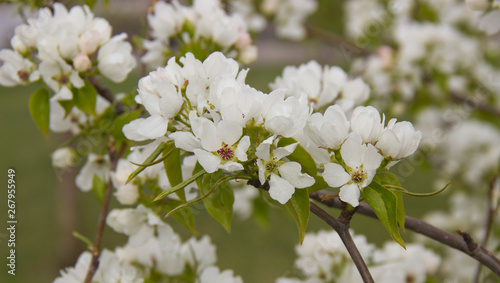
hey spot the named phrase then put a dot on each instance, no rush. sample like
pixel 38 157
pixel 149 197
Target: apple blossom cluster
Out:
pixel 62 46
pixel 209 111
pixel 431 49
pixel 323 86
pixel 153 252
pixel 288 15
pixel 322 257
pixel 205 26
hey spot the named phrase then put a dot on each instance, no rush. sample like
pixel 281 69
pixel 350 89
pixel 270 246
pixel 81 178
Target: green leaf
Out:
pixel 40 109
pixel 121 121
pixel 319 184
pixel 150 159
pixel 219 203
pixel 384 204
pixel 301 156
pixel 67 105
pixel 185 215
pixel 389 179
pixel 173 168
pixel 180 186
pixel 90 3
pixel 99 188
pixel 85 98
pixel 299 206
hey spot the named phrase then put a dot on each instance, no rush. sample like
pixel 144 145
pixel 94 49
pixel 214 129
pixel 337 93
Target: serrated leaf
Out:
pixel 39 106
pixel 384 204
pixel 185 215
pixel 219 203
pixel 150 159
pixel 99 188
pixel 180 186
pixel 301 156
pixel 85 98
pixel 299 206
pixel 173 168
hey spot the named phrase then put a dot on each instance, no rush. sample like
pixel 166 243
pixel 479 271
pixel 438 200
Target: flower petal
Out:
pixel 350 194
pixel 335 175
pixel 153 127
pixel 280 189
pixel 185 141
pixel 229 132
pixel 241 150
pixel 352 151
pixel 291 171
pixel 207 160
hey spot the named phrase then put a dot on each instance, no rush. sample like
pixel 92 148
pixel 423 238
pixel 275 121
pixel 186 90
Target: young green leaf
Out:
pixel 185 216
pixel 150 159
pixel 389 179
pixel 219 203
pixel 384 204
pixel 319 184
pixel 301 156
pixel 180 186
pixel 85 98
pixel 99 188
pixel 299 206
pixel 40 109
pixel 173 168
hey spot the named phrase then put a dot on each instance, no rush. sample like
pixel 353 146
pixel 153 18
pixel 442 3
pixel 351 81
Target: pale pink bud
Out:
pixel 243 41
pixel 385 53
pixel 89 41
pixel 82 62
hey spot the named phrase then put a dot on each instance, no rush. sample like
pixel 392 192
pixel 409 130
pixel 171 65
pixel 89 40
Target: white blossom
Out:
pixel 115 59
pixel 98 166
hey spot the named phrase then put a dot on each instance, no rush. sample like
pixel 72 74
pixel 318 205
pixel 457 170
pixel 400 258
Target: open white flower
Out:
pixel 16 70
pixel 115 59
pixel 361 163
pixel 96 166
pixel 283 176
pixel 329 130
pixel 217 146
pixel 398 140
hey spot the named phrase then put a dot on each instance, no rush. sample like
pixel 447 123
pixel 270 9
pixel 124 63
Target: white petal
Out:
pixel 209 139
pixel 170 104
pixel 371 158
pixel 231 166
pixel 291 171
pixel 185 141
pixel 230 132
pixel 280 189
pixel 335 175
pixel 350 194
pixel 131 130
pixel 263 149
pixel 153 127
pixel 241 149
pixel 207 160
pixel 284 151
pixel 262 171
pixel 352 151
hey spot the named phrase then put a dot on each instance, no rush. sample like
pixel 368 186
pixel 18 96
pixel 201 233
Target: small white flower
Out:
pixel 329 130
pixel 398 140
pixel 126 194
pixel 115 59
pixel 366 122
pixel 16 70
pixel 63 157
pixel 96 166
pixel 199 253
pixel 283 176
pixel 218 146
pixel 212 274
pixel 361 162
pixel 285 117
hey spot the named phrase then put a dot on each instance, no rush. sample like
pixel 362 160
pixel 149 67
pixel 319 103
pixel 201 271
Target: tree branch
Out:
pixel 475 103
pixel 94 263
pixel 464 244
pixel 107 94
pixel 336 40
pixel 341 226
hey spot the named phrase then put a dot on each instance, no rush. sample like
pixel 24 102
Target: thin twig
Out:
pixel 94 263
pixel 106 93
pixel 490 218
pixel 342 228
pixel 475 103
pixel 336 40
pixel 470 248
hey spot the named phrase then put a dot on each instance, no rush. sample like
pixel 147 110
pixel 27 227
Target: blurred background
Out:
pixel 49 207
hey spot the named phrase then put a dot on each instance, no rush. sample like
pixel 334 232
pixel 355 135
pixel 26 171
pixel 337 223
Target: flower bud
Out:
pixel 89 41
pixel 243 41
pixel 18 45
pixel 82 62
pixel 248 54
pixel 63 157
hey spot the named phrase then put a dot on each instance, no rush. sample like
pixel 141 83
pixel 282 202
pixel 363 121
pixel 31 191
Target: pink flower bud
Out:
pixel 82 62
pixel 89 41
pixel 243 41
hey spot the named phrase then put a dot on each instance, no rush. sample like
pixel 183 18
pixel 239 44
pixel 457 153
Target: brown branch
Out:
pixel 94 263
pixel 107 94
pixel 475 103
pixel 336 40
pixel 467 246
pixel 341 226
pixel 490 218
